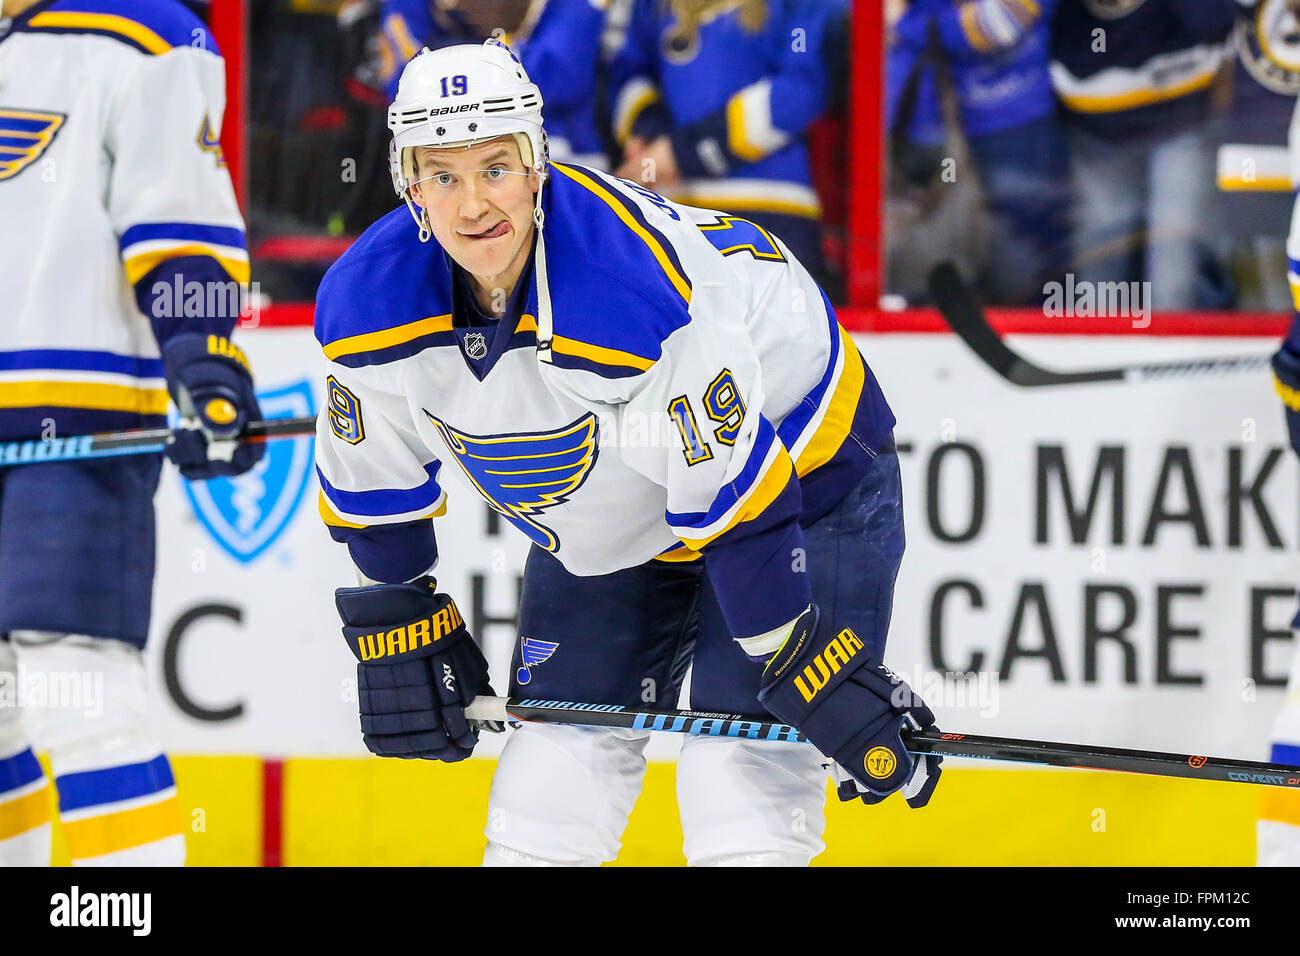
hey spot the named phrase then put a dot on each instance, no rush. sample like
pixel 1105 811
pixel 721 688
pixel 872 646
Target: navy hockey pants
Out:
pixel 628 637
pixel 77 547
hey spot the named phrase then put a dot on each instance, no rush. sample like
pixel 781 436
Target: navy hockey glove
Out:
pixel 1286 371
pixel 418 669
pixel 853 709
pixel 211 384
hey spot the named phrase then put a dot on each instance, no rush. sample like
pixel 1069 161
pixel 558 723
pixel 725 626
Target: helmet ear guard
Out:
pixel 491 97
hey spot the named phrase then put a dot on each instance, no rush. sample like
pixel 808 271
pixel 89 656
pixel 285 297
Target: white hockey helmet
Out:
pixel 458 96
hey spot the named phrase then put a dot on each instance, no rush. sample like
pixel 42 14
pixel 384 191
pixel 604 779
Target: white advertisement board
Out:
pixel 1109 564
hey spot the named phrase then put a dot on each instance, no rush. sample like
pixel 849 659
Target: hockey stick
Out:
pixel 701 723
pixel 134 442
pixel 959 308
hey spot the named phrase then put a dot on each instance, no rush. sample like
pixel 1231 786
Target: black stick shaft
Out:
pixel 1086 757
pixel 754 727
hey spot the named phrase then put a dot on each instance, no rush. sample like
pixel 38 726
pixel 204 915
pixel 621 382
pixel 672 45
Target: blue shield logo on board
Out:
pixel 248 513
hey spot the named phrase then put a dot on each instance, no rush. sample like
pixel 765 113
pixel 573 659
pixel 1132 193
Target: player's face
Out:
pixel 480 204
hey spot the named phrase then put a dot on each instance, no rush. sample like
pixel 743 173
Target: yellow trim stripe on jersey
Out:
pixel 111 832
pixel 752 204
pixel 652 242
pixel 107 23
pixel 634 110
pixel 1294 281
pixel 88 395
pixel 1115 102
pixel 387 338
pixel 1263 184
pixel 835 424
pixel 332 518
pixel 138 266
pixel 598 353
pixel 970 26
pixel 679 555
pixel 1290 397
pixel 402 34
pixel 766 490
pixel 737 141
pixel 25 813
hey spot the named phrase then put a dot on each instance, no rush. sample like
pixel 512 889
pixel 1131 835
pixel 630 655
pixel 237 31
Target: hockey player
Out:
pixel 118 220
pixel 713 99
pixel 662 400
pixel 1133 78
pixel 1278 830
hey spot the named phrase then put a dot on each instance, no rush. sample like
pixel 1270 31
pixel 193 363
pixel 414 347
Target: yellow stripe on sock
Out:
pixel 25 813
pixel 1280 806
pixel 111 832
pixel 100 396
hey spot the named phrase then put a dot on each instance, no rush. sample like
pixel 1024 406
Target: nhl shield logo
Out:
pixel 476 345
pixel 246 514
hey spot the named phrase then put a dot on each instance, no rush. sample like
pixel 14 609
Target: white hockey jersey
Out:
pixel 114 202
pixel 668 380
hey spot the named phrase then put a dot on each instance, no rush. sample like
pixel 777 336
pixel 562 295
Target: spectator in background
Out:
pixel 996 53
pixel 711 103
pixel 1255 195
pixel 1134 79
pixel 1278 827
pixel 558 42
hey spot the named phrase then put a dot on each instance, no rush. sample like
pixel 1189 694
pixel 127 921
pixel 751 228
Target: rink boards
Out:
pixel 1112 564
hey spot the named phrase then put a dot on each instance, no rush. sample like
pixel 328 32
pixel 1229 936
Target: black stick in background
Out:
pixel 957 304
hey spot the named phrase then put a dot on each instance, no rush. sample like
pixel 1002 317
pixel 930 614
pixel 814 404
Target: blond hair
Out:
pixel 692 14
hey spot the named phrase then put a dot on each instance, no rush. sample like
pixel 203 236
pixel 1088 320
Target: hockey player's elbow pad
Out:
pixel 852 708
pixel 1286 379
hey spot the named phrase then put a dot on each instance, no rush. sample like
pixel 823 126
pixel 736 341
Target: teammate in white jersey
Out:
pixel 662 400
pixel 122 265
pixel 1278 829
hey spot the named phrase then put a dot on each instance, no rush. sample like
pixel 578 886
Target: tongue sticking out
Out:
pixel 498 230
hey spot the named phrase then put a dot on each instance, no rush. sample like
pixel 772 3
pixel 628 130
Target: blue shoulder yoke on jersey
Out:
pixel 618 288
pixel 386 298
pixel 151 26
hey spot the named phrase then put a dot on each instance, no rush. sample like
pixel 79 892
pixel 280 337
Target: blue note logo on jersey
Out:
pixel 533 652
pixel 523 475
pixel 24 135
pixel 246 514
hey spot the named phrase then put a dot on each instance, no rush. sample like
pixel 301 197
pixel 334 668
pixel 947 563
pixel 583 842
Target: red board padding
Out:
pixel 283 314
pixel 272 812
pixel 302 248
pixel 1006 321
pixel 1034 322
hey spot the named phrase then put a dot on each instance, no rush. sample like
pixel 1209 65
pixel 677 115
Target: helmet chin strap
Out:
pixel 539 214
